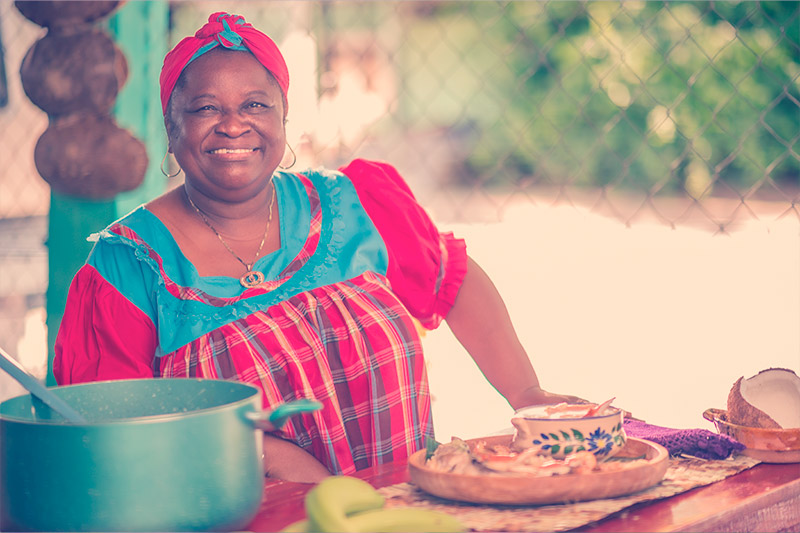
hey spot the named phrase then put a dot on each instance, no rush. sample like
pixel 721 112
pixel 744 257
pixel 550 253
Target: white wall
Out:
pixel 665 320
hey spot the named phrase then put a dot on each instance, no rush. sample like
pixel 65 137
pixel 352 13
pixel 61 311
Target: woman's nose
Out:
pixel 233 125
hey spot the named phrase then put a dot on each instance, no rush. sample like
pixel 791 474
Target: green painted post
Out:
pixel 71 221
pixel 141 31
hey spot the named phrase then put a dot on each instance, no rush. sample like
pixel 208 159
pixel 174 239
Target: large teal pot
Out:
pixel 154 455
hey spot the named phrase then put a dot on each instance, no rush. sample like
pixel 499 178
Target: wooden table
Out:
pixel 763 498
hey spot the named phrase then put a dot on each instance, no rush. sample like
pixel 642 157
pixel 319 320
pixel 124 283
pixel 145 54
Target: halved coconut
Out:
pixel 770 399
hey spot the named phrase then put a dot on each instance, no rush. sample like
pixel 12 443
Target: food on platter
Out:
pixel 640 464
pixel 770 399
pixel 482 458
pixel 566 410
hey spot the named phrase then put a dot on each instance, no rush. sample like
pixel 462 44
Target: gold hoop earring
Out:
pixel 164 160
pixel 294 158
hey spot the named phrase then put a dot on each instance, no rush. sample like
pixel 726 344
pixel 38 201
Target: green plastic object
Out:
pixel 154 455
pixel 283 412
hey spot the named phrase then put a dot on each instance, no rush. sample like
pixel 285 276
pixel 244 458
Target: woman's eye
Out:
pixel 257 105
pixel 208 107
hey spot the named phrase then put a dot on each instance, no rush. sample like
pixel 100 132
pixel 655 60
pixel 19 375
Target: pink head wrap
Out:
pixel 230 31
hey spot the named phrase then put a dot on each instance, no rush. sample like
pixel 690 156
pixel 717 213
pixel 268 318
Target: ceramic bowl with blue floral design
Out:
pixel 563 429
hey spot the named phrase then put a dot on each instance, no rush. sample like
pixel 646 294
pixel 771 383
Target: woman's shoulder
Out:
pixel 377 177
pixel 358 177
pixel 136 237
pixel 355 169
pixel 319 176
pixel 139 225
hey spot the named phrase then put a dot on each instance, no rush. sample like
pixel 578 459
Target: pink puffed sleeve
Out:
pixel 103 336
pixel 426 267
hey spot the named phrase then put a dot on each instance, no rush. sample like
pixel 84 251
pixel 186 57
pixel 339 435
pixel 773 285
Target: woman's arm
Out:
pixel 480 321
pixel 286 460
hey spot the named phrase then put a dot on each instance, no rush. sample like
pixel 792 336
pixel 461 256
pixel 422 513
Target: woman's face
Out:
pixel 226 124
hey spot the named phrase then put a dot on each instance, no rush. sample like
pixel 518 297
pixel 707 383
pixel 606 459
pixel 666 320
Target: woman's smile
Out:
pixel 233 154
pixel 232 151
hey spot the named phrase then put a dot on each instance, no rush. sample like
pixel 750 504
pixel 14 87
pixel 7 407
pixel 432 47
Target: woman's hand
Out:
pixel 539 396
pixel 286 460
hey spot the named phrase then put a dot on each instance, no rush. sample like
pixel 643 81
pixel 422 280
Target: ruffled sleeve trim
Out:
pixel 454 266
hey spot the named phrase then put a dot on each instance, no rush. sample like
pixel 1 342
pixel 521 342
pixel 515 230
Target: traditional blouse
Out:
pixel 332 322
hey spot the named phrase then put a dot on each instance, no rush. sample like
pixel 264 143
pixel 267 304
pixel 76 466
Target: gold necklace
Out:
pixel 251 278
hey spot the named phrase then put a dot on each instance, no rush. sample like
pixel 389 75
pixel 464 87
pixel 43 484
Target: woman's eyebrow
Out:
pixel 254 92
pixel 202 95
pixel 257 92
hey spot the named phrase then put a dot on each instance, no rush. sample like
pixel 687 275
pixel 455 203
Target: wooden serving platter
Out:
pixel 532 490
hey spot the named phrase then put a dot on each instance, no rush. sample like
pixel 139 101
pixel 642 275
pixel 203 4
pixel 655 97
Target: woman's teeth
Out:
pixel 233 151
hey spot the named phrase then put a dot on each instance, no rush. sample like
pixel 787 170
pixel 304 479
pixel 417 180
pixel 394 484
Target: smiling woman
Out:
pixel 308 284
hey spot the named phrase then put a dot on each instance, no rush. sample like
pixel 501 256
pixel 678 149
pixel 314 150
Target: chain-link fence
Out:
pixel 678 112
pixel 481 103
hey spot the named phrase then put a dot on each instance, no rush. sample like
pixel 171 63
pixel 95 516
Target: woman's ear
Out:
pixel 168 128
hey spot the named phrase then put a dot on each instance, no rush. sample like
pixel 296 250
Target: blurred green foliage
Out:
pixel 679 97
pixel 672 96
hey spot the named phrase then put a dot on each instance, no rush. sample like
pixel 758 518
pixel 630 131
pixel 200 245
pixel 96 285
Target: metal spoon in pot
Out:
pixel 32 385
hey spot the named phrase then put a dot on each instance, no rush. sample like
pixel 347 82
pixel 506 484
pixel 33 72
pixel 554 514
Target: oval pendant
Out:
pixel 252 278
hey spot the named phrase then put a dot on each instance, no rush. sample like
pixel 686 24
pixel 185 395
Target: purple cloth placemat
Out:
pixel 700 443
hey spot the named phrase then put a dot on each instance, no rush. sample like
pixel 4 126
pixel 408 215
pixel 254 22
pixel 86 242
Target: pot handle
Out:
pixel 274 419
